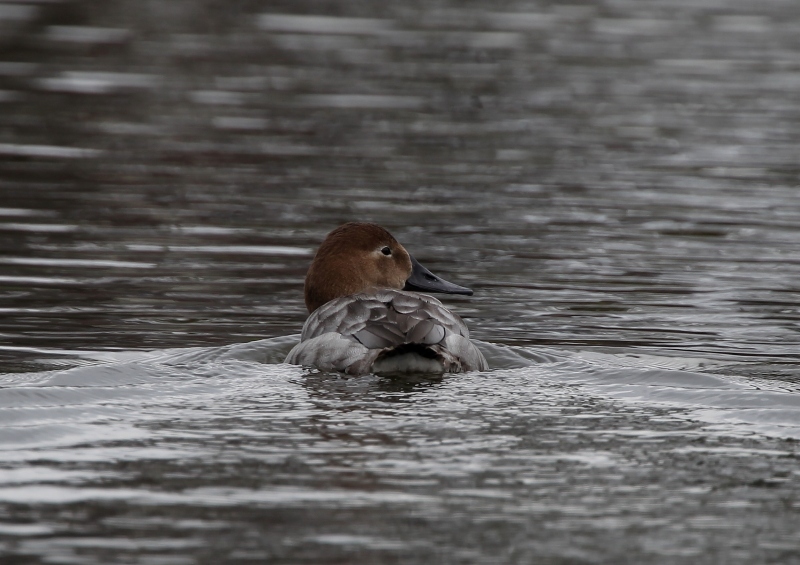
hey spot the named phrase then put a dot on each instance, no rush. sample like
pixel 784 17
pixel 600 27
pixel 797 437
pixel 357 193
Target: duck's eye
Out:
pixel 386 251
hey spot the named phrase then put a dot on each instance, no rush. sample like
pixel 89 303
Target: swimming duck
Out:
pixel 366 316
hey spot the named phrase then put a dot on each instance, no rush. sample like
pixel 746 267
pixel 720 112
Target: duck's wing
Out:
pixel 333 352
pixel 348 334
pixel 391 316
pixel 328 341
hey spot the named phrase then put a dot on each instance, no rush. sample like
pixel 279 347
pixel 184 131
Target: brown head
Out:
pixel 357 257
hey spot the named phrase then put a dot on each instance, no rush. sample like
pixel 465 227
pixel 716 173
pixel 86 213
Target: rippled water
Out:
pixel 616 180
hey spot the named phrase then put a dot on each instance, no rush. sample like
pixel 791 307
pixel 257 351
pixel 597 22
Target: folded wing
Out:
pixel 353 332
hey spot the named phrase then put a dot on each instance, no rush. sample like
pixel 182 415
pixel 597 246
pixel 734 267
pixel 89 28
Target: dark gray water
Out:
pixel 616 180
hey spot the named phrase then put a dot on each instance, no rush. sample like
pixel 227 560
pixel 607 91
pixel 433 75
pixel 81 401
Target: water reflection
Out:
pixel 397 388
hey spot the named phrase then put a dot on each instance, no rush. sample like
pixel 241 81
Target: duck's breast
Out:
pixel 352 332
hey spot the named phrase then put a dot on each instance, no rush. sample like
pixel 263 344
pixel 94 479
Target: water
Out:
pixel 616 180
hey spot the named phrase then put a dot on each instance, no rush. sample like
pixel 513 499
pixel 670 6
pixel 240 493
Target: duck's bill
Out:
pixel 423 280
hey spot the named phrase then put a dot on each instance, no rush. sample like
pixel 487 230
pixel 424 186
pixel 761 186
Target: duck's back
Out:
pixel 386 331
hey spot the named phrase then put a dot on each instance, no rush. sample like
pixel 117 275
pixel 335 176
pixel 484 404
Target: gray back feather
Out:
pixel 350 333
pixel 385 319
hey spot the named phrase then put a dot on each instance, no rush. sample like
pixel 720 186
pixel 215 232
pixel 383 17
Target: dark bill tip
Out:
pixel 423 280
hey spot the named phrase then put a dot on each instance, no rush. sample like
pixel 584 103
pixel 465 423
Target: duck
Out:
pixel 369 311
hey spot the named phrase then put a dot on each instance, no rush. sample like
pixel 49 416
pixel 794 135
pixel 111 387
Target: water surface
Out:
pixel 616 180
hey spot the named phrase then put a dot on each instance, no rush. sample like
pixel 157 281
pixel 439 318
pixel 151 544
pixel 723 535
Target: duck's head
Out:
pixel 357 257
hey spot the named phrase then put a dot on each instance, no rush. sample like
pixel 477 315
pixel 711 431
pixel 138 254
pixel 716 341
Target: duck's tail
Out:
pixel 415 358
